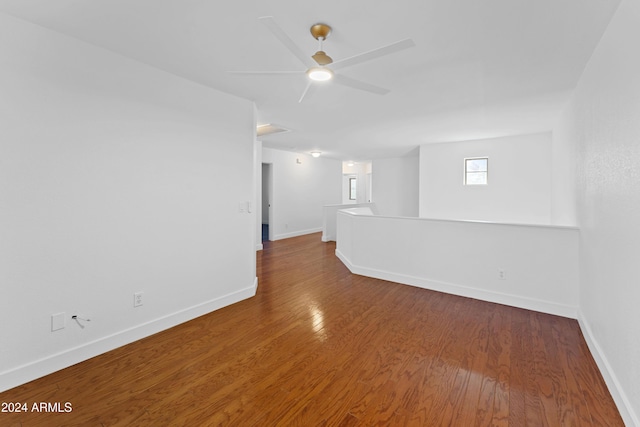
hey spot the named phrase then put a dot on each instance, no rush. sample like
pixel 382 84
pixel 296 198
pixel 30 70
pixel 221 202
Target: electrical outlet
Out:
pixel 502 275
pixel 137 299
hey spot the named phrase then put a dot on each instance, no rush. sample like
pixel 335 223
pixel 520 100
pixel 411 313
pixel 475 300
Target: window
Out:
pixel 476 171
pixel 352 188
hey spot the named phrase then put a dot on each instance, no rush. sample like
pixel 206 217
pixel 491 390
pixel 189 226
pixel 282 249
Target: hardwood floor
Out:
pixel 318 346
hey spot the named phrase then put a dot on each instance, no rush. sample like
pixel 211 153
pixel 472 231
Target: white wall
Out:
pixel 115 178
pixel 602 122
pixel 300 190
pixel 563 172
pixel 395 186
pixel 464 258
pixel 519 188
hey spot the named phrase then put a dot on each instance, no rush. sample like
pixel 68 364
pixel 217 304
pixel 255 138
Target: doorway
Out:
pixel 267 195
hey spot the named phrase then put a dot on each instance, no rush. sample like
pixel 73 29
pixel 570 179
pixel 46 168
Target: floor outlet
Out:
pixel 137 299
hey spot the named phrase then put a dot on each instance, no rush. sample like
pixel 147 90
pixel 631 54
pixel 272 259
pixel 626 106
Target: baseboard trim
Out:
pixel 463 290
pixel 47 365
pixel 296 233
pixel 328 238
pixel 625 408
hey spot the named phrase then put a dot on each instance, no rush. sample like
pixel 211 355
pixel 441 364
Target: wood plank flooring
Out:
pixel 318 346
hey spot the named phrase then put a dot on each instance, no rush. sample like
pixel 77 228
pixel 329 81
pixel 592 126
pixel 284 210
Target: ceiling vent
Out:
pixel 269 129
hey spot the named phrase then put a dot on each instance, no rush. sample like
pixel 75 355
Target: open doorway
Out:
pixel 267 194
pixel 356 182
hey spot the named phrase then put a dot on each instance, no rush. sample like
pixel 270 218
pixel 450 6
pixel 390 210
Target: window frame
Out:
pixel 352 189
pixel 466 173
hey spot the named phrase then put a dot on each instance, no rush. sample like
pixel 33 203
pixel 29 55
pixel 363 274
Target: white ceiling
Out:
pixel 480 69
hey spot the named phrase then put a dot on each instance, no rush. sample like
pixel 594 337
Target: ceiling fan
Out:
pixel 318 64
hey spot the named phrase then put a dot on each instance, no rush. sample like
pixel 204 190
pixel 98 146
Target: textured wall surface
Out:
pixel 603 123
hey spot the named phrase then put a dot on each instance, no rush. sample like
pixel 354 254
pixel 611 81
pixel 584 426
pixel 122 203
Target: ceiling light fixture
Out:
pixel 319 74
pixel 315 153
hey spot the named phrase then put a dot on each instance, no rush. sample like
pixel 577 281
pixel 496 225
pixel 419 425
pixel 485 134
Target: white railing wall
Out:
pixel 528 266
pixel 329 214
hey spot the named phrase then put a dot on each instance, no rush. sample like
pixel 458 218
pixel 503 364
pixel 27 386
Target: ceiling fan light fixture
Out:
pixel 319 74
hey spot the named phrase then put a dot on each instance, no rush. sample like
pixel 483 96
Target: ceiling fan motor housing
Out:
pixel 322 58
pixel 320 32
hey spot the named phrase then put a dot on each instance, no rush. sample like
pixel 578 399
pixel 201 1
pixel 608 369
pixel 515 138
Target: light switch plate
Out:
pixel 57 321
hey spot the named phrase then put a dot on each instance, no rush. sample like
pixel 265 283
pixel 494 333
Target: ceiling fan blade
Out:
pixel 264 73
pixel 277 31
pixel 373 54
pixel 308 91
pixel 357 84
